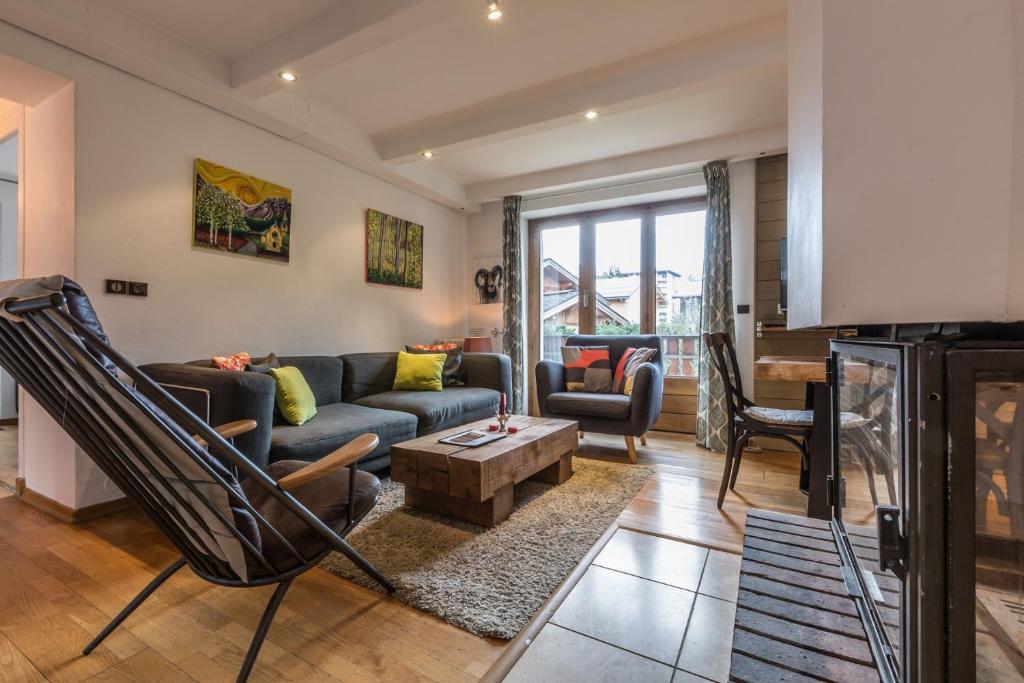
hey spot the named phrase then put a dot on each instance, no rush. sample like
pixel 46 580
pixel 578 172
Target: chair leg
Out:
pixel 262 629
pixel 134 604
pixel 730 448
pixel 643 439
pixel 581 434
pixel 364 564
pixel 869 472
pixel 738 448
pixel 890 484
pixel 631 449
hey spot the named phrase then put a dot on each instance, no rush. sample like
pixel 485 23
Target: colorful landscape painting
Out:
pixel 239 213
pixel 394 251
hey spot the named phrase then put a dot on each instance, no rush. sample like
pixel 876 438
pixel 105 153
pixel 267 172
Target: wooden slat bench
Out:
pixel 795 620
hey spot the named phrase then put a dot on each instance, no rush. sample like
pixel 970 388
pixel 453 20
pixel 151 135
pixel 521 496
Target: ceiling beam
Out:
pixel 698 65
pixel 634 167
pixel 333 37
pixel 122 43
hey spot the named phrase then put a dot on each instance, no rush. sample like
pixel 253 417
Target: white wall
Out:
pixel 8 250
pixel 134 148
pixel 742 219
pixel 914 161
pixel 484 239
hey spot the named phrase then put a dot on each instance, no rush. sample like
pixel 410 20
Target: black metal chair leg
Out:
pixel 364 564
pixel 262 629
pixel 133 605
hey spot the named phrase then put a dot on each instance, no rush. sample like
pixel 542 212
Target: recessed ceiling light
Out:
pixel 288 76
pixel 591 115
pixel 493 10
pixel 428 154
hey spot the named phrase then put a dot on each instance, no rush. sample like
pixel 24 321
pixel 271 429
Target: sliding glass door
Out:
pixel 631 270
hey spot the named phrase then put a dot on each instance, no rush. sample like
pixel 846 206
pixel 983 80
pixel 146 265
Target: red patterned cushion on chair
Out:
pixel 235 362
pixel 630 362
pixel 587 368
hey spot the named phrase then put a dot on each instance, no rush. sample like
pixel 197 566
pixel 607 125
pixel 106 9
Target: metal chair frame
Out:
pixel 63 364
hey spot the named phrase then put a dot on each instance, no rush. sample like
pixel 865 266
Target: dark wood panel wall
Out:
pixel 774 339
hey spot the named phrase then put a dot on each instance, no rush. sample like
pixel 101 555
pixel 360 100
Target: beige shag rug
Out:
pixel 491 581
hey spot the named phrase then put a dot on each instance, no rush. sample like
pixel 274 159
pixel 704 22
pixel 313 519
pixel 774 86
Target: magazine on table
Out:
pixel 472 438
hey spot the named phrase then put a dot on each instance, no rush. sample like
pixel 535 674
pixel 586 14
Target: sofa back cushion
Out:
pixel 367 374
pixel 322 373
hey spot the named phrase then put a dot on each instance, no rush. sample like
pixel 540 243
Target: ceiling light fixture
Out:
pixel 493 10
pixel 288 76
pixel 591 115
pixel 428 154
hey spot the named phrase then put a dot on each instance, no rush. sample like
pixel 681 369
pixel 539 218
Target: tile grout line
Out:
pixel 689 617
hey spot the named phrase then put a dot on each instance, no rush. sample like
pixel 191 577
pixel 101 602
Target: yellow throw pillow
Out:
pixel 419 371
pixel 294 398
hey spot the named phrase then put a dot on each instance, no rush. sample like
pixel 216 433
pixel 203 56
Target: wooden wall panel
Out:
pixel 678 406
pixel 776 340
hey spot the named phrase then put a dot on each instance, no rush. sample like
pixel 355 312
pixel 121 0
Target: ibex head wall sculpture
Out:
pixel 488 283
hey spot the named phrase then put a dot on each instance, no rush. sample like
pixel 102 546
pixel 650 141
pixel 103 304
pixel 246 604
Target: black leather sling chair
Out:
pixel 235 524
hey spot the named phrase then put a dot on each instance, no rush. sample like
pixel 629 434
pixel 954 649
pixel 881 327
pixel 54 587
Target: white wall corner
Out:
pixel 742 219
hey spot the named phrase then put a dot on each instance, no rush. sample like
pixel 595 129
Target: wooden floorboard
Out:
pixel 60 585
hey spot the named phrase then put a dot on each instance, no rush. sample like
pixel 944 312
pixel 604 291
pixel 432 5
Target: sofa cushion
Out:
pixel 438 410
pixel 611 406
pixel 334 426
pixel 368 373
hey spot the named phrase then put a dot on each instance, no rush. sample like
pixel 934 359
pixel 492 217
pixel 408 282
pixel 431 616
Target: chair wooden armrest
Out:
pixel 228 430
pixel 347 455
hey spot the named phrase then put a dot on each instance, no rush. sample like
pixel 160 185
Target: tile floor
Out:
pixel 647 609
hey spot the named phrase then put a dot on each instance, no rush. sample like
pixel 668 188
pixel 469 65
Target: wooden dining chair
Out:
pixel 234 524
pixel 746 419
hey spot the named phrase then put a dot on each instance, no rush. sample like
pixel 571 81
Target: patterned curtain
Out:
pixel 512 264
pixel 716 306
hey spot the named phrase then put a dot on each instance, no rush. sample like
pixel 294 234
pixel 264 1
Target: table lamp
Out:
pixel 477 345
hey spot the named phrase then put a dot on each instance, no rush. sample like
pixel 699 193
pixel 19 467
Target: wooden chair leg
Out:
pixel 730 447
pixel 631 449
pixel 738 456
pixel 581 434
pixel 643 439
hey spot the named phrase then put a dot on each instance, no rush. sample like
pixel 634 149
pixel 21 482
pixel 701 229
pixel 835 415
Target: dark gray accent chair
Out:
pixel 628 416
pixel 353 396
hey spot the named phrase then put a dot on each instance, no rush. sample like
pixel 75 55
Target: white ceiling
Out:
pixel 500 104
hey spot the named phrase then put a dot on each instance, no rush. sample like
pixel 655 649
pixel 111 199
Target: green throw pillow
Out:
pixel 419 371
pixel 294 397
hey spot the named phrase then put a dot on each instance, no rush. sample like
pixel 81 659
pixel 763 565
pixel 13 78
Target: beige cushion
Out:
pixel 799 418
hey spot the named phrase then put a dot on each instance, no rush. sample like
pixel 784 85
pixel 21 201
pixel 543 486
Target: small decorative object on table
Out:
pixel 503 415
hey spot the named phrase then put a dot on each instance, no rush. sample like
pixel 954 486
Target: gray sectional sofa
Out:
pixel 353 396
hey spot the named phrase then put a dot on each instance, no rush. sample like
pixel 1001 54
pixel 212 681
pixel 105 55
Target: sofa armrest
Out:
pixel 645 401
pixel 233 396
pixel 488 370
pixel 550 378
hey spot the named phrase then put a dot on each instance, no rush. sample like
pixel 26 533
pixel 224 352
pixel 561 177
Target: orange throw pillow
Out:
pixel 239 361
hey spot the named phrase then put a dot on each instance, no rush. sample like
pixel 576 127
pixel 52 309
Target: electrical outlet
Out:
pixel 116 287
pixel 138 288
pixel 742 308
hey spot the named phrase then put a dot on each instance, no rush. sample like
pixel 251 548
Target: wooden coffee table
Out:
pixel 475 484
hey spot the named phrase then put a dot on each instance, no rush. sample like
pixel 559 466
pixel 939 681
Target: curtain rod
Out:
pixel 6 180
pixel 614 187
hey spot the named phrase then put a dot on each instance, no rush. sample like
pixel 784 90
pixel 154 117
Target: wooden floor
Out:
pixel 60 584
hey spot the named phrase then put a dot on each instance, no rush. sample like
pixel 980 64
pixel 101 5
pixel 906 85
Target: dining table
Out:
pixel 812 371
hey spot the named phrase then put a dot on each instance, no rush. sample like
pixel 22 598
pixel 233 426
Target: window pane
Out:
pixel 560 290
pixel 618 303
pixel 680 264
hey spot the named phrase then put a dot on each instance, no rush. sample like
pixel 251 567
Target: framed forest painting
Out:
pixel 239 213
pixel 394 250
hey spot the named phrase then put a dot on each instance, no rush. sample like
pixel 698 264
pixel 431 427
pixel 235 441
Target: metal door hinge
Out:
pixel 892 544
pixel 830 495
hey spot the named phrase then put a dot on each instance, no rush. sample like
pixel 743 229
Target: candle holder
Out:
pixel 503 418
